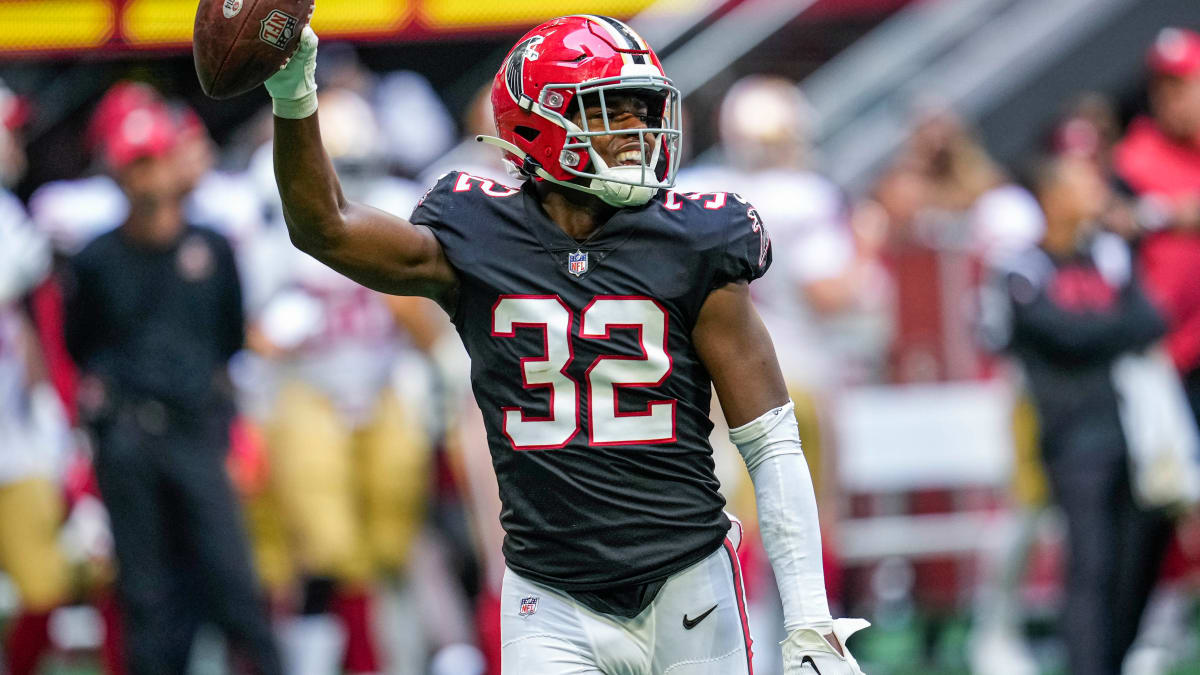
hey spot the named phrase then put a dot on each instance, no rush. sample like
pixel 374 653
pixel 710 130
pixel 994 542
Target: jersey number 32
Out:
pixel 607 425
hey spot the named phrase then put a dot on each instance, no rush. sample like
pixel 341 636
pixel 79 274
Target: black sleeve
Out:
pixel 232 322
pixel 430 210
pixel 747 251
pixel 81 319
pixel 1043 326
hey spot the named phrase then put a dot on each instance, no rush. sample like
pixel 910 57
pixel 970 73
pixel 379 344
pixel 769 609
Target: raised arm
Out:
pixel 377 249
pixel 734 345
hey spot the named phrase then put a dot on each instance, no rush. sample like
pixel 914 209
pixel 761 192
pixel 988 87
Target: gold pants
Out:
pixel 31 511
pixel 343 503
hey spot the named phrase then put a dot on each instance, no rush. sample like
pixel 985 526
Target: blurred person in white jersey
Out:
pixel 34 434
pixel 829 282
pixel 348 459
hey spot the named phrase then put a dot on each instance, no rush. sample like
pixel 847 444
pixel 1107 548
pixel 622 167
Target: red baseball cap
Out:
pixel 131 121
pixel 1175 52
pixel 144 131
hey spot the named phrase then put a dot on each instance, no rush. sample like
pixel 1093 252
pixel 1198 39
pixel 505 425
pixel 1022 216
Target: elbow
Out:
pixel 314 238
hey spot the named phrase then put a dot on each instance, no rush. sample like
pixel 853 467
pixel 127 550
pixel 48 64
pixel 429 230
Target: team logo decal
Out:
pixel 529 605
pixel 230 8
pixel 764 237
pixel 277 29
pixel 513 70
pixel 195 259
pixel 577 262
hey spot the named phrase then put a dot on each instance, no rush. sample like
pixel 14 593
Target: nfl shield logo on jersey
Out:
pixel 529 605
pixel 577 262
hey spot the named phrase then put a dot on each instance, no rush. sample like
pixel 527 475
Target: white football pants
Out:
pixel 546 632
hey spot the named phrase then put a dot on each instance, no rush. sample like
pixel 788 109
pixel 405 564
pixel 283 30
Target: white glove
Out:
pixel 806 652
pixel 293 89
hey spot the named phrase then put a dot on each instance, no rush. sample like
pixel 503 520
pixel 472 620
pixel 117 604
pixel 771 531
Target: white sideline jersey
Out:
pixel 34 434
pixel 805 215
pixel 340 337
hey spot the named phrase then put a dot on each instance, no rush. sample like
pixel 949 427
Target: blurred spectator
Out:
pixel 73 212
pixel 1071 308
pixel 1008 221
pixel 1089 130
pixel 154 313
pixel 1160 159
pixel 349 456
pixel 415 126
pixel 948 205
pixel 470 155
pixel 944 150
pixel 33 427
pixel 830 308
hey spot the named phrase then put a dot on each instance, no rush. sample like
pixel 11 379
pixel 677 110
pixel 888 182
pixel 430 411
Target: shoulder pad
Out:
pixel 729 228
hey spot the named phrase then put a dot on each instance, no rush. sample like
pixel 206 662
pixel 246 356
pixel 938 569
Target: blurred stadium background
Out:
pixel 894 165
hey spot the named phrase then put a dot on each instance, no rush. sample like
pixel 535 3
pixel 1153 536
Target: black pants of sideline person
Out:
pixel 181 547
pixel 1115 548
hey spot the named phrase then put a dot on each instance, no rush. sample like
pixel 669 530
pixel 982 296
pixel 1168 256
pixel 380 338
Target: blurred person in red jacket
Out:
pixel 1159 158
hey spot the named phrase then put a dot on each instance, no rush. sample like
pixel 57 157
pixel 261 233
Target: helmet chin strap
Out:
pixel 612 193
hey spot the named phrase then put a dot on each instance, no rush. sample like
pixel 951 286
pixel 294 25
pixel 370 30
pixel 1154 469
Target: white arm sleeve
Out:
pixel 787 514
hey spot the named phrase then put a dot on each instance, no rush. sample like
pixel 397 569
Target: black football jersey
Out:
pixel 595 402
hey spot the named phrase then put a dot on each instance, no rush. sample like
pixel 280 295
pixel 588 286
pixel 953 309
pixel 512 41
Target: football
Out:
pixel 238 44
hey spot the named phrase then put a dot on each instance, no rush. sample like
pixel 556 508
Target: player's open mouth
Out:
pixel 629 158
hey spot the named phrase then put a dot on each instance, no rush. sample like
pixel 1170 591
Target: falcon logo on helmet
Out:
pixel 525 50
pixel 557 71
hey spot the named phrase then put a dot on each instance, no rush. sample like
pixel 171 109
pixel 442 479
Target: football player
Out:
pixel 599 308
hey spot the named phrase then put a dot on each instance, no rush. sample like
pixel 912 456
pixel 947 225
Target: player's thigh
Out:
pixel 700 620
pixel 30 513
pixel 543 632
pixel 544 655
pixel 311 476
pixel 394 456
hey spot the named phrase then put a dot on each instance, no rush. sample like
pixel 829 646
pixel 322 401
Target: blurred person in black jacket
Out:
pixel 154 312
pixel 1067 309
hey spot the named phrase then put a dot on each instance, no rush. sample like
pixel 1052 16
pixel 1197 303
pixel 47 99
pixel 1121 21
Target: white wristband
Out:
pixel 295 108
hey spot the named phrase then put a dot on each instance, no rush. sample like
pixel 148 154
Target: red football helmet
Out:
pixel 545 79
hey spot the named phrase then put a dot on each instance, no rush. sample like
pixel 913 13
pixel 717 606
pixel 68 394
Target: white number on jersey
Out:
pixel 607 426
pixel 551 314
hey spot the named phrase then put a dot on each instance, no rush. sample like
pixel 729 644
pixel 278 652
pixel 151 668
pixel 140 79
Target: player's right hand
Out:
pixel 293 89
pixel 807 652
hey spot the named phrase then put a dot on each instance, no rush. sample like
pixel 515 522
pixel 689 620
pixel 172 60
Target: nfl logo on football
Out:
pixel 277 29
pixel 577 262
pixel 528 605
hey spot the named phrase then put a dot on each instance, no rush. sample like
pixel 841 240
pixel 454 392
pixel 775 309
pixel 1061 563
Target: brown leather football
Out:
pixel 238 44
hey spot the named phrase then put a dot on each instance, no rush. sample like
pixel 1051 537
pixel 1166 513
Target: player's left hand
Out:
pixel 807 652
